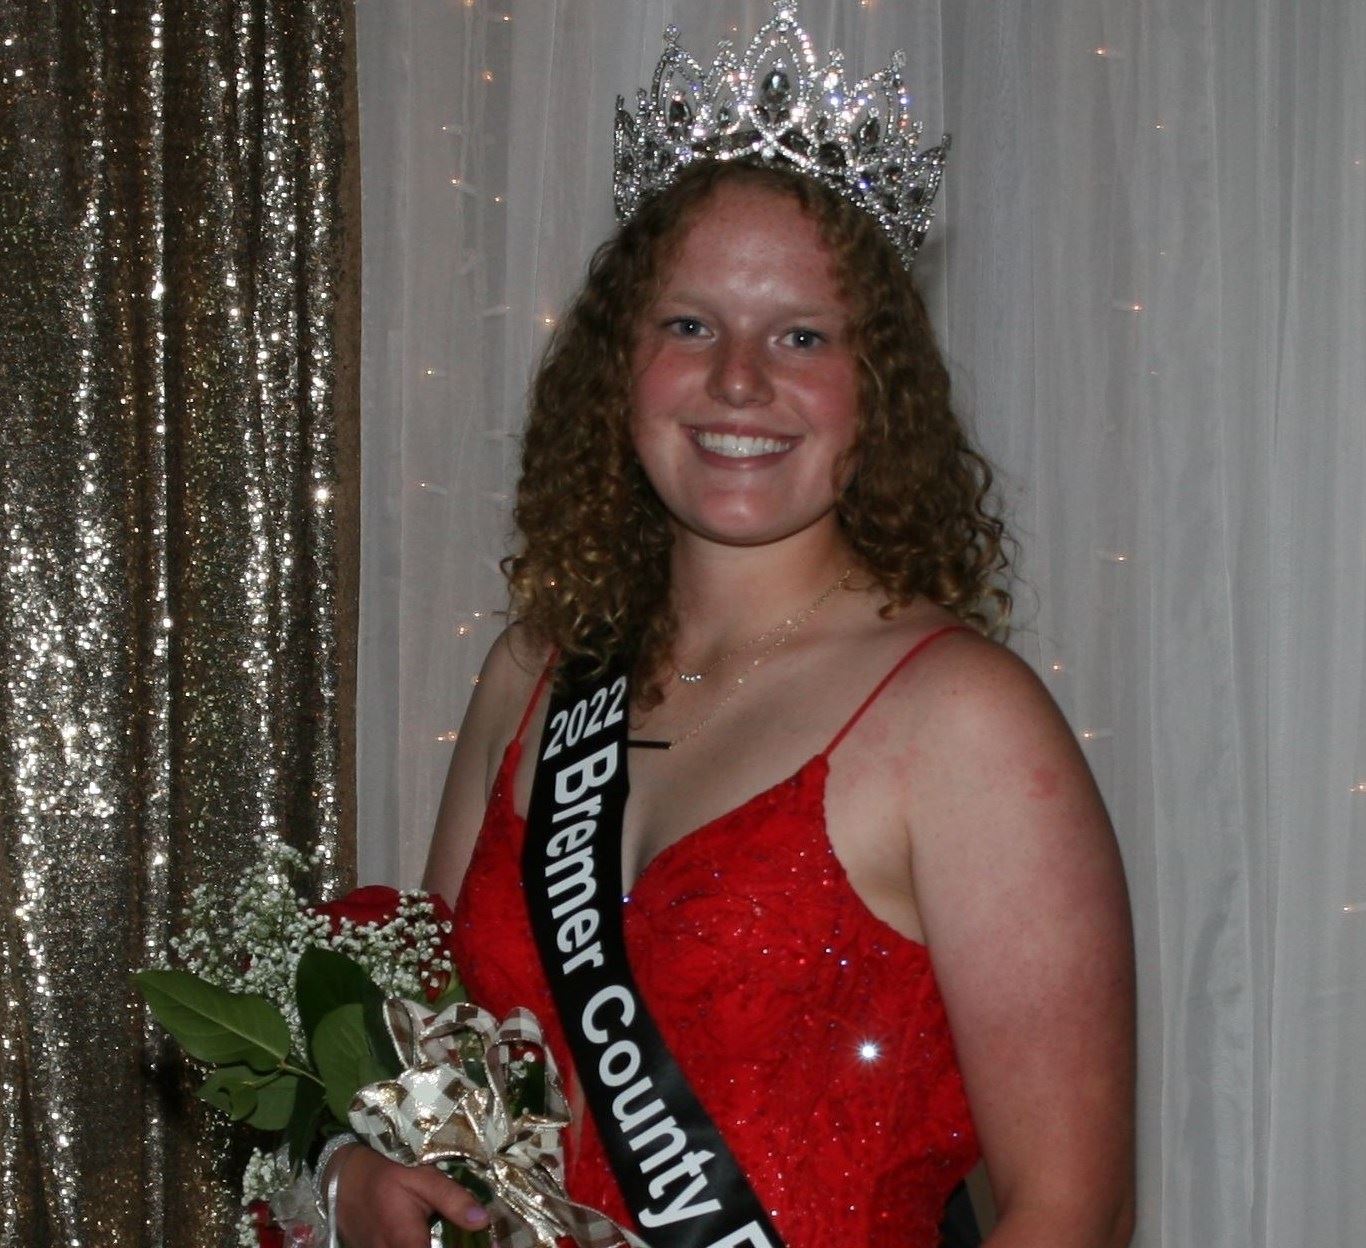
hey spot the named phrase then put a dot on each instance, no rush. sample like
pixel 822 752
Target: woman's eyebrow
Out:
pixel 793 310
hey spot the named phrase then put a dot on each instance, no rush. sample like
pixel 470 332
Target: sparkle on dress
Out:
pixel 812 1032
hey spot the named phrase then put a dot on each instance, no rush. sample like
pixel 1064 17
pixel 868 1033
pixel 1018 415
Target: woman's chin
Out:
pixel 751 530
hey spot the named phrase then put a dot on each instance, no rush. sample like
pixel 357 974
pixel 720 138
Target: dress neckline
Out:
pixel 818 763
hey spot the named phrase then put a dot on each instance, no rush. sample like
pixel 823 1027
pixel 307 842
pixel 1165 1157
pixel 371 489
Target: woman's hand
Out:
pixel 381 1204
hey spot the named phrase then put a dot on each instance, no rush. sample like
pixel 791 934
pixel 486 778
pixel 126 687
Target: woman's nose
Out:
pixel 739 377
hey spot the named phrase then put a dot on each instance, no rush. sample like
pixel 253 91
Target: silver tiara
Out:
pixel 775 105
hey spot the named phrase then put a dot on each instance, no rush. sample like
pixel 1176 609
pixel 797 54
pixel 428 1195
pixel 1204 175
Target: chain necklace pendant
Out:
pixel 780 631
pixel 776 638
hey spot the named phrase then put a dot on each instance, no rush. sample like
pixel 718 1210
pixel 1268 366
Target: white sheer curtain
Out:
pixel 1149 274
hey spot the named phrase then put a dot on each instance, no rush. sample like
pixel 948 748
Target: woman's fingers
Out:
pixel 446 1197
pixel 384 1205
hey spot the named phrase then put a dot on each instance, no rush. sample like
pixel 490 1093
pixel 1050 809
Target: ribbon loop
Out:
pixel 435 1111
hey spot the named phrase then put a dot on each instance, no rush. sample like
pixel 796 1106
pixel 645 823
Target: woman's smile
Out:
pixel 739 447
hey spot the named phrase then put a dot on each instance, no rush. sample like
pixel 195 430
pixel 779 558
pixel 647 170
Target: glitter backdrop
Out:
pixel 171 287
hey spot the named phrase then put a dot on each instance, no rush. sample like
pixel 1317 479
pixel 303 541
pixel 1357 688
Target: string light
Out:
pixel 448 736
pixel 1126 305
pixel 487 75
pixel 868 1051
pixel 1359 788
pixel 1096 734
pixel 1056 667
pixel 1354 907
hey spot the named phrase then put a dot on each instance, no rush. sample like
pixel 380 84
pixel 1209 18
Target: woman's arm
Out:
pixel 1021 893
pixel 381 1204
pixel 505 684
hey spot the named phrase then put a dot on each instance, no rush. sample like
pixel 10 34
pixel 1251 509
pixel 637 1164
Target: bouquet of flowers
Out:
pixel 348 1016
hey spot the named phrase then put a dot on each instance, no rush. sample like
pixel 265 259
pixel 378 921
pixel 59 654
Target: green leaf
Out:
pixel 213 1024
pixel 231 1089
pixel 531 1089
pixel 341 1050
pixel 275 1103
pixel 304 1121
pixel 325 980
pixel 381 1042
pixel 459 1237
pixel 454 994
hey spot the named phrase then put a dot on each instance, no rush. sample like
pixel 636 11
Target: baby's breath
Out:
pixel 264 1175
pixel 251 941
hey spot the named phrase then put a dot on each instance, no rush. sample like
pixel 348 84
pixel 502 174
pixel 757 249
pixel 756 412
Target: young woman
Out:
pixel 872 901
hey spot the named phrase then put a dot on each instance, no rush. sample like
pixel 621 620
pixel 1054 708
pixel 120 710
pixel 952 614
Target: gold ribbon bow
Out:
pixel 435 1112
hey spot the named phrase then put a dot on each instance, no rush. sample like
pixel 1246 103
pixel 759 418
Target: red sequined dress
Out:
pixel 812 1032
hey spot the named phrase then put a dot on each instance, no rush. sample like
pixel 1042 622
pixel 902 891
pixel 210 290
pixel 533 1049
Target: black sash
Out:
pixel 675 1170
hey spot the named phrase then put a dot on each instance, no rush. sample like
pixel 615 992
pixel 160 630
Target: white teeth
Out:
pixel 737 446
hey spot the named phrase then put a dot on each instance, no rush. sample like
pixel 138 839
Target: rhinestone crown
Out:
pixel 773 103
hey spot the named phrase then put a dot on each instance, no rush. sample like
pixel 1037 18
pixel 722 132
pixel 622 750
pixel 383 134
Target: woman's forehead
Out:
pixel 743 234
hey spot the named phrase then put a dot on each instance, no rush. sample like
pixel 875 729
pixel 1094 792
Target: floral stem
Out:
pixel 287 1069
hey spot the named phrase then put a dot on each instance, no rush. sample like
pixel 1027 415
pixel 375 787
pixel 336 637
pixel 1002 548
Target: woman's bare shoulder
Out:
pixel 505 684
pixel 979 730
pixel 968 685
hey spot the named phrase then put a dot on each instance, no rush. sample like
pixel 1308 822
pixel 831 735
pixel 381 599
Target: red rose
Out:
pixel 435 983
pixel 375 903
pixel 378 903
pixel 268 1232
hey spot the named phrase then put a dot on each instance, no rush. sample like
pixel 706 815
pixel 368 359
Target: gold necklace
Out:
pixel 784 633
pixel 785 628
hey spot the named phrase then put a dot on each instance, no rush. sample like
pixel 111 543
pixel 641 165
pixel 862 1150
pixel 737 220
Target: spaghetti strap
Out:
pixel 887 679
pixel 536 695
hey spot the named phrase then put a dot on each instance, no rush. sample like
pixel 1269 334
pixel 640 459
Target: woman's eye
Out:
pixel 685 326
pixel 804 338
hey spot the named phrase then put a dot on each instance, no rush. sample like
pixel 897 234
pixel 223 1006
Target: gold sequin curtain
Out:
pixel 177 350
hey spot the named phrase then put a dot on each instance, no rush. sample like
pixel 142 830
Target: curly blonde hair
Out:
pixel 592 574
